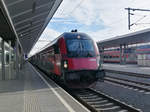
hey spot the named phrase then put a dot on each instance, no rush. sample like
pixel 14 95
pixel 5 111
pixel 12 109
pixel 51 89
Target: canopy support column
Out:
pixel 3 59
pixel 102 55
pixel 17 58
pixel 125 54
pixel 10 60
pixel 120 54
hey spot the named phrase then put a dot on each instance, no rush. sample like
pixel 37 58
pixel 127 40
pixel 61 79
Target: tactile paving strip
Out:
pixel 31 102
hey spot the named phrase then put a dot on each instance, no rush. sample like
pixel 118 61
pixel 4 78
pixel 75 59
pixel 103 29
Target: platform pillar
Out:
pixel 21 58
pixel 10 60
pixel 102 55
pixel 17 58
pixel 124 54
pixel 120 54
pixel 3 59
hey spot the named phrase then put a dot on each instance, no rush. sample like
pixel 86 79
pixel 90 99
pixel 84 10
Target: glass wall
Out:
pixel 8 71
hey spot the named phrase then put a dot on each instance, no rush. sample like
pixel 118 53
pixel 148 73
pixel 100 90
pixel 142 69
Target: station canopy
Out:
pixel 142 36
pixel 25 20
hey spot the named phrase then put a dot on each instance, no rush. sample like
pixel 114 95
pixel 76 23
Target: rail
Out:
pixel 100 102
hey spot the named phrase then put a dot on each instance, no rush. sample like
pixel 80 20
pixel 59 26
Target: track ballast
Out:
pixel 99 102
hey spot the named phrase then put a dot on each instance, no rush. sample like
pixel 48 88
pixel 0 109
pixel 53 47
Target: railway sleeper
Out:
pixel 123 110
pixel 110 109
pixel 94 100
pixel 86 95
pixel 90 97
pixel 99 102
pixel 85 91
pixel 107 105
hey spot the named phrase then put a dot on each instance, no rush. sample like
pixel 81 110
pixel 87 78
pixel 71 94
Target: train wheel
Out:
pixel 57 78
pixel 63 77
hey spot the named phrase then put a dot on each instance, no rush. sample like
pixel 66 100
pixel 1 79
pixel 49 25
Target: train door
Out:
pixel 57 59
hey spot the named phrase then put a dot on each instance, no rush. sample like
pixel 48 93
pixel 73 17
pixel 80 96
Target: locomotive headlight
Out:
pixel 65 64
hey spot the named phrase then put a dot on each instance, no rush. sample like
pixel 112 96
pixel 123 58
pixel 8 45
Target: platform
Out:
pixel 34 93
pixel 131 68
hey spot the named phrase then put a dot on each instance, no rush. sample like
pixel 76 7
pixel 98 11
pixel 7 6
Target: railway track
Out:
pixel 139 86
pixel 128 73
pixel 99 102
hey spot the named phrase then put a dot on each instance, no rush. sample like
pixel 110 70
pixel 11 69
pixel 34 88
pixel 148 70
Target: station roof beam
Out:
pixel 127 39
pixel 26 19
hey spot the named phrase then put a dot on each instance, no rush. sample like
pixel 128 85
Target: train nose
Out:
pixel 83 64
pixel 73 76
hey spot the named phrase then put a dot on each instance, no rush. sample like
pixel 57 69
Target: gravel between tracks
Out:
pixel 131 97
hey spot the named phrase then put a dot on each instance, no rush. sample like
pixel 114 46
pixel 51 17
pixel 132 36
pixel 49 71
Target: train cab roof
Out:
pixel 75 35
pixel 67 35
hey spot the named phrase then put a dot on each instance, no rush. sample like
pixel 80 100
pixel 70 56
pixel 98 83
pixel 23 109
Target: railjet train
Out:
pixel 72 58
pixel 131 54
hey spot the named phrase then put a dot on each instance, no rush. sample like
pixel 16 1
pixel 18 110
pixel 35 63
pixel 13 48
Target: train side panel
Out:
pixel 50 60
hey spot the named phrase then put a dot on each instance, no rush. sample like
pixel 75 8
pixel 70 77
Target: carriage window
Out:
pixel 56 49
pixel 80 48
pixel 82 45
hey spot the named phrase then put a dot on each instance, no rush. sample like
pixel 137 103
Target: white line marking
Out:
pixel 70 109
pixel 68 95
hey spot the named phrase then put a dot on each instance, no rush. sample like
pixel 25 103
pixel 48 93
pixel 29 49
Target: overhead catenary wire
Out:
pixel 119 20
pixel 141 23
pixel 73 10
pixel 138 21
pixel 144 16
pixel 78 5
pixel 81 2
pixel 131 13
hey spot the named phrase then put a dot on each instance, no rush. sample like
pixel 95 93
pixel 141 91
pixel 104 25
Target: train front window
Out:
pixel 80 48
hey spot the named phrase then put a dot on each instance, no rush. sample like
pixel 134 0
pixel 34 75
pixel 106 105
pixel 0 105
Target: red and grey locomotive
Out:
pixel 73 57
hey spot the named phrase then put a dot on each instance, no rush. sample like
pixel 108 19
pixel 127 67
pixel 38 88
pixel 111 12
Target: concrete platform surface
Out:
pixel 34 93
pixel 127 68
